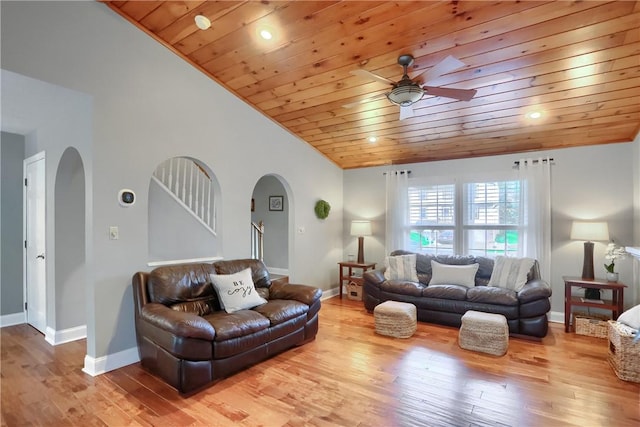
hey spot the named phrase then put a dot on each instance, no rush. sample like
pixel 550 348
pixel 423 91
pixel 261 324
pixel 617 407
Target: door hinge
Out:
pixel 25 182
pixel 25 306
pixel 25 244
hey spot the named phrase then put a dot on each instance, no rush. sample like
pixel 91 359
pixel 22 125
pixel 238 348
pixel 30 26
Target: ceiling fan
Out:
pixel 408 91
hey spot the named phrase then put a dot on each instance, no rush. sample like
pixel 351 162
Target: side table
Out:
pixel 350 275
pixel 615 304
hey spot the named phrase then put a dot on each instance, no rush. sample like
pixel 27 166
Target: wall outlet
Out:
pixel 114 234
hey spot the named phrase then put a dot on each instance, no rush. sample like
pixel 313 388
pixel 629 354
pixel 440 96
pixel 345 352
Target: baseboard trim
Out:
pixel 13 319
pixel 278 271
pixel 100 365
pixel 556 317
pixel 54 337
pixel 329 293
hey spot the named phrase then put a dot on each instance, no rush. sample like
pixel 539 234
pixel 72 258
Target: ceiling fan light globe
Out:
pixel 405 95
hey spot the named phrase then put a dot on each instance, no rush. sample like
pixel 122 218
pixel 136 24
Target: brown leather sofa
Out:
pixel 185 337
pixel 525 310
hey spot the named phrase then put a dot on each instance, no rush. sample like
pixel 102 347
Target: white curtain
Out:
pixel 396 235
pixel 535 185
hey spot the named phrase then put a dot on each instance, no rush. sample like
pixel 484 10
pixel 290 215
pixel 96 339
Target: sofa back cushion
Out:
pixel 183 287
pixel 259 272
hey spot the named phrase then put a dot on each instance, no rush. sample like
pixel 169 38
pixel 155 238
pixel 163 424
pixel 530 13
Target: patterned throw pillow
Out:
pixel 510 273
pixel 401 267
pixel 236 291
pixel 444 274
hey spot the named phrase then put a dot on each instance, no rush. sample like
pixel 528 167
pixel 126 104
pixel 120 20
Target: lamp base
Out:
pixel 587 266
pixel 361 250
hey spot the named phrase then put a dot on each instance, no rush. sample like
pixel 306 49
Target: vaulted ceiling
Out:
pixel 575 63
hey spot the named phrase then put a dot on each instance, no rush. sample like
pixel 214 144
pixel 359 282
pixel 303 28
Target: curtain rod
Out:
pixel 398 172
pixel 517 162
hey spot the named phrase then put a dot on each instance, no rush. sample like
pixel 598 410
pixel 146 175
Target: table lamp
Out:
pixel 361 229
pixel 588 231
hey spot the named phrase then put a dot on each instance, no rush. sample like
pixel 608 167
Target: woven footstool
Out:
pixel 484 332
pixel 395 319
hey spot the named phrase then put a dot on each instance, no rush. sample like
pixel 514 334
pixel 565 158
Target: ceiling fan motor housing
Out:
pixel 405 93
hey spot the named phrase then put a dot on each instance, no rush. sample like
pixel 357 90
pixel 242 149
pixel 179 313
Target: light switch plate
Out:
pixel 113 232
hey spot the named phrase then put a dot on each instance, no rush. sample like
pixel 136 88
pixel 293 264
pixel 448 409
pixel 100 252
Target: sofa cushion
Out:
pixel 401 267
pixel 259 272
pixel 179 283
pixel 444 274
pixel 453 292
pixel 280 310
pixel 492 295
pixel 402 287
pixel 238 324
pixel 199 307
pixel 236 291
pixel 510 273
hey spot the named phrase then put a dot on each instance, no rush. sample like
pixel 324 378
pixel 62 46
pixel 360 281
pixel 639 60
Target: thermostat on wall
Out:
pixel 126 197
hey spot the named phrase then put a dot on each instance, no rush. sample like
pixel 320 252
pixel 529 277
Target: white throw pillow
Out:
pixel 401 267
pixel 236 291
pixel 631 317
pixel 510 273
pixel 445 274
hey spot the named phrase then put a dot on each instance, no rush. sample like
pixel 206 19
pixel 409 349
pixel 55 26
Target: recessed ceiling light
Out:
pixel 534 115
pixel 266 34
pixel 202 22
pixel 372 139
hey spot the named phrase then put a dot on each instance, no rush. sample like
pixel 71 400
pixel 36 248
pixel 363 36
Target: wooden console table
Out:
pixel 615 304
pixel 350 277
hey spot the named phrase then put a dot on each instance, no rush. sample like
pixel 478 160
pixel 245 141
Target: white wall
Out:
pixel 149 105
pixel 587 182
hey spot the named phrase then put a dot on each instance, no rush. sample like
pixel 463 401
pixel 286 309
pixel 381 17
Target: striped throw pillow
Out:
pixel 401 267
pixel 510 273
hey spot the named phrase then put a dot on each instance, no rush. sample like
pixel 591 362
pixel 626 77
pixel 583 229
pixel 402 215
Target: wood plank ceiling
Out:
pixel 577 63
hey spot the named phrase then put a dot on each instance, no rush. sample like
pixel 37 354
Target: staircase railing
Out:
pixel 257 240
pixel 190 185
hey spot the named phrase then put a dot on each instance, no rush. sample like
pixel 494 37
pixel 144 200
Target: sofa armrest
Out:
pixel 374 277
pixel 302 293
pixel 179 323
pixel 534 290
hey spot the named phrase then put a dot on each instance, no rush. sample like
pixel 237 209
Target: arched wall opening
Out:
pixel 70 242
pixel 272 204
pixel 184 211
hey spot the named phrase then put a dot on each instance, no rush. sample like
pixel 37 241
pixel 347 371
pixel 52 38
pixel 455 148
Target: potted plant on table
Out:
pixel 612 253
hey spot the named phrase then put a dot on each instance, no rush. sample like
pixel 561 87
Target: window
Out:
pixel 475 218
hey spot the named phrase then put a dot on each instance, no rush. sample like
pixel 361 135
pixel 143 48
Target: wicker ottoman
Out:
pixel 624 354
pixel 395 319
pixel 485 332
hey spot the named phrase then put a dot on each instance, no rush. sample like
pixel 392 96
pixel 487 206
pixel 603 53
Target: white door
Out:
pixel 34 235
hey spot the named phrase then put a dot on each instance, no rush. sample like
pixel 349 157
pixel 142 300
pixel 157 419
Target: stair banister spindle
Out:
pixel 209 202
pixel 170 182
pixel 191 186
pixel 195 210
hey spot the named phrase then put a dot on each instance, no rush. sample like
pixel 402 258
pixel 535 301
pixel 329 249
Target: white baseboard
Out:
pixel 13 319
pixel 100 365
pixel 556 317
pixel 278 271
pixel 329 293
pixel 54 337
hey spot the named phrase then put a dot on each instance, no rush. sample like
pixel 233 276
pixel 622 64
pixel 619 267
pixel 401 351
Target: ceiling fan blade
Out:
pixel 445 66
pixel 406 112
pixel 364 101
pixel 461 94
pixel 370 75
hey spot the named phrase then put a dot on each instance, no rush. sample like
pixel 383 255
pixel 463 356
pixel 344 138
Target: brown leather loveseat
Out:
pixel 187 339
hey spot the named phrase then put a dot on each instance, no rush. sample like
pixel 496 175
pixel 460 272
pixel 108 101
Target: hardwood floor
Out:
pixel 348 376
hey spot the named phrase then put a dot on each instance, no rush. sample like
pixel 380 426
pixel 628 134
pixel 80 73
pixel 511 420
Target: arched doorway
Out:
pixel 271 205
pixel 69 322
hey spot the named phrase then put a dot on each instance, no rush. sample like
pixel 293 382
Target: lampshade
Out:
pixel 589 231
pixel 405 95
pixel 361 228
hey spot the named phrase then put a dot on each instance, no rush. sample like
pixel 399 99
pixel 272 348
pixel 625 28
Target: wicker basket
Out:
pixel 624 355
pixel 593 325
pixel 354 291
